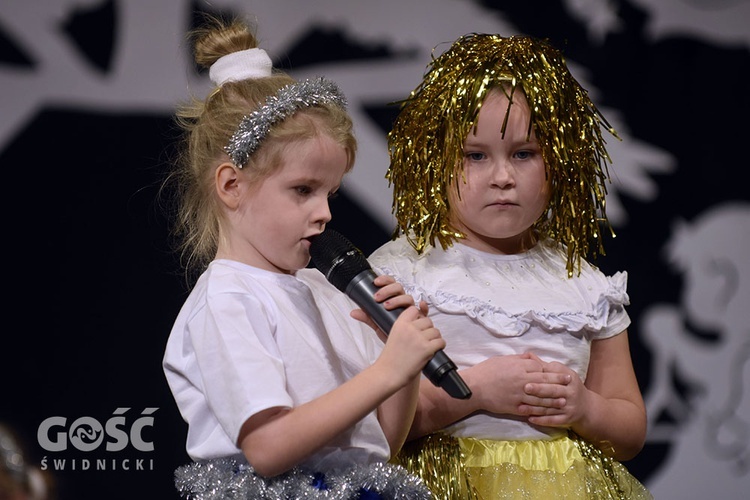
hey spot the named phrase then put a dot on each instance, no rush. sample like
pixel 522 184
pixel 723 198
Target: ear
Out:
pixel 227 181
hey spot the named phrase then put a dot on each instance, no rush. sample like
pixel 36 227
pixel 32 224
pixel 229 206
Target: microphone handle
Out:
pixel 440 370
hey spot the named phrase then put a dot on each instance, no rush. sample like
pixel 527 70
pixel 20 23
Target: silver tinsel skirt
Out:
pixel 230 479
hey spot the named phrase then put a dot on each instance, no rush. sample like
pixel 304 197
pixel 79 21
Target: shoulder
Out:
pixel 316 281
pixel 228 305
pixel 395 250
pixel 550 266
pixel 323 291
pixel 234 290
pixel 398 258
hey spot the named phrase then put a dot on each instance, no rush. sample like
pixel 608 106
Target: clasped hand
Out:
pixel 548 394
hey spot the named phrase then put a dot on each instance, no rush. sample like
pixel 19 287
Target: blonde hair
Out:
pixel 208 126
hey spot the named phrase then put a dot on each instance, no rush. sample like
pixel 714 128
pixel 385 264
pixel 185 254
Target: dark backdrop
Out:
pixel 93 285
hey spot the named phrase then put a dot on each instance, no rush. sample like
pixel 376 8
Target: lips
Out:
pixel 309 239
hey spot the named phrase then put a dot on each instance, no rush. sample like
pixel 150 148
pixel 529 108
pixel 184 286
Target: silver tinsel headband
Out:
pixel 288 100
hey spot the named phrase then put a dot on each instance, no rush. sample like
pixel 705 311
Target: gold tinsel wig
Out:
pixel 426 142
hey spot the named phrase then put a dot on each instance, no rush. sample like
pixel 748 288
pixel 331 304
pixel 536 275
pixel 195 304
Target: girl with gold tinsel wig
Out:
pixel 537 332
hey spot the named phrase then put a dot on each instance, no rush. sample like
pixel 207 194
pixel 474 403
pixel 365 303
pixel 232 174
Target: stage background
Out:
pixel 87 93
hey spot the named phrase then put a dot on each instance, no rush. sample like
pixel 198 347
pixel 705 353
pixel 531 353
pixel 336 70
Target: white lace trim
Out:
pixel 603 298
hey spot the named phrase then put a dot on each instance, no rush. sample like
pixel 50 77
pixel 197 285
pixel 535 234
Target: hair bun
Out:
pixel 218 38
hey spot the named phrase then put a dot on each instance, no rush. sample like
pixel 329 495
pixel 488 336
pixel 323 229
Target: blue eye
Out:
pixel 525 154
pixel 303 190
pixel 475 156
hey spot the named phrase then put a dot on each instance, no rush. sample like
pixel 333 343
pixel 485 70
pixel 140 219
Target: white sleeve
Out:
pixel 240 365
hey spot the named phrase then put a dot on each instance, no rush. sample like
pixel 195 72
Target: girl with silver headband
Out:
pixel 498 167
pixel 286 391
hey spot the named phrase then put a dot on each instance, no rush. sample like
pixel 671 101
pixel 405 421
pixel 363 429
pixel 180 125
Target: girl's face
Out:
pixel 504 189
pixel 278 216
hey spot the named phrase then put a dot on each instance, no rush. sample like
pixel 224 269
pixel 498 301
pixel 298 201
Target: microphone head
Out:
pixel 335 256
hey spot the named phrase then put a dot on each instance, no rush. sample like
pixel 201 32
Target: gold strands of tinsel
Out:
pixel 437 459
pixel 604 466
pixel 426 142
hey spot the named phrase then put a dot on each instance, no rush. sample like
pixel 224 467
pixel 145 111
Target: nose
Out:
pixel 322 214
pixel 502 175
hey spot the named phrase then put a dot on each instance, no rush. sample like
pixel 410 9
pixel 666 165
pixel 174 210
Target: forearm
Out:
pixel 616 426
pixel 396 414
pixel 290 436
pixel 615 415
pixel 436 409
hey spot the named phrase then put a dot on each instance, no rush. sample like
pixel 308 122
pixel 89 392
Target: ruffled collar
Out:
pixel 506 293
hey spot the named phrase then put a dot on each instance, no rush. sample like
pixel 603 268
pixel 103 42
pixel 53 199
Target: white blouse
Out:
pixel 488 305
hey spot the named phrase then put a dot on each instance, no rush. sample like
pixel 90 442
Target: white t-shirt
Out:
pixel 487 305
pixel 247 340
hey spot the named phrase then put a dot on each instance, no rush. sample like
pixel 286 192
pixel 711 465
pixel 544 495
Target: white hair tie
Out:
pixel 242 65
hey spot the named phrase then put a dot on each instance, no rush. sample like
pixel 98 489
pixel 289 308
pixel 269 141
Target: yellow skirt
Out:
pixel 562 468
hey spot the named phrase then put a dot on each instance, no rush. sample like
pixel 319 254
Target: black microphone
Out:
pixel 346 268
